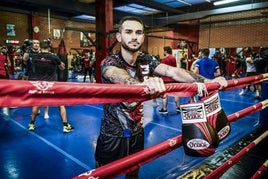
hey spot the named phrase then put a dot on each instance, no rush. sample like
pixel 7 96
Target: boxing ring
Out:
pixel 26 93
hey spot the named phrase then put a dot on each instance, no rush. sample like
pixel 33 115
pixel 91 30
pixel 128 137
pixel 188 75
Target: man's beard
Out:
pixel 130 49
pixel 35 48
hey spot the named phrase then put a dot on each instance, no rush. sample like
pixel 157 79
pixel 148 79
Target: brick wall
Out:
pixel 21 23
pixel 216 32
pixel 247 35
pixel 234 30
pixel 156 44
pixel 70 37
pixel 23 29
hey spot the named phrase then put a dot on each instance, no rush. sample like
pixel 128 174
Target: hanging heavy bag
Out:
pixel 264 53
pixel 216 115
pixel 199 138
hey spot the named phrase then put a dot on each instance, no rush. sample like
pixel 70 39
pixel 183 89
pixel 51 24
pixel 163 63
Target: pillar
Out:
pixel 35 27
pixel 264 113
pixel 104 24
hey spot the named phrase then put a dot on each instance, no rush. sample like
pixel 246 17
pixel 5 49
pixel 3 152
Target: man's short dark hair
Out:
pixel 130 18
pixel 168 49
pixel 44 45
pixel 205 52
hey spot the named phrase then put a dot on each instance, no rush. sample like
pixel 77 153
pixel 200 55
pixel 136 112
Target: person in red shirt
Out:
pixel 3 64
pixel 87 67
pixel 171 61
pixel 4 61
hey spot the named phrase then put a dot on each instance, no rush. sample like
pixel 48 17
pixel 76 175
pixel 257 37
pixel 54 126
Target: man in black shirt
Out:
pixel 32 47
pixel 122 132
pixel 44 68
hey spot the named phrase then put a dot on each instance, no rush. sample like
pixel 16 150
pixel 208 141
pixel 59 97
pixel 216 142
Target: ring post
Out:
pixel 264 113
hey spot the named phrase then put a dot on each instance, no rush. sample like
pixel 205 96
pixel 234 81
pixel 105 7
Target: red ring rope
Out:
pixel 218 172
pixel 260 171
pixel 41 93
pixel 29 93
pixel 138 159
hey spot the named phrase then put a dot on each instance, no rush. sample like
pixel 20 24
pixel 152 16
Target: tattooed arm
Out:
pixel 118 76
pixel 179 74
pixel 155 85
pixel 184 76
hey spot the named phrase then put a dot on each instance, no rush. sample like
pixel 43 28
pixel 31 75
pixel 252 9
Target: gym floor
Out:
pixel 49 153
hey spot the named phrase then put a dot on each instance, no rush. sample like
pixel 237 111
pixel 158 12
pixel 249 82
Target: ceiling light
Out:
pixel 184 2
pixel 85 17
pixel 135 9
pixel 224 2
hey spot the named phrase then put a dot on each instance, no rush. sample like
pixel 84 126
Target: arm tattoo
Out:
pixel 196 77
pixel 122 77
pixel 166 70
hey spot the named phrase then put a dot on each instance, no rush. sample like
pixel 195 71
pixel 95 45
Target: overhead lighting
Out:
pixel 184 2
pixel 135 9
pixel 85 17
pixel 217 3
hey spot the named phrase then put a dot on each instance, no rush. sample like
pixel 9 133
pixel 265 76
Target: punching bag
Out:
pixel 62 54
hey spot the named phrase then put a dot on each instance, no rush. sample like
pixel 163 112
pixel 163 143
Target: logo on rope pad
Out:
pixel 42 87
